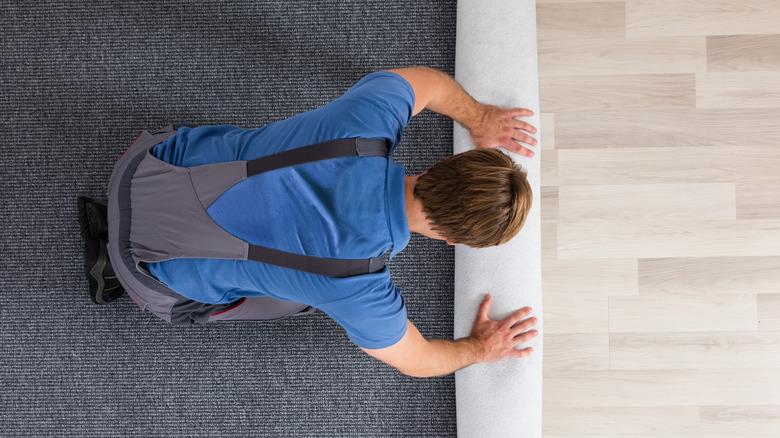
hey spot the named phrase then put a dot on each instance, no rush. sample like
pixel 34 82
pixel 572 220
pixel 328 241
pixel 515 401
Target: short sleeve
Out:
pixel 379 105
pixel 374 317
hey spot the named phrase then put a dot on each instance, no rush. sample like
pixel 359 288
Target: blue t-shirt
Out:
pixel 349 208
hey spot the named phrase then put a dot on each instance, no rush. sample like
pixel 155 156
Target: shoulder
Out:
pixel 371 310
pixel 382 90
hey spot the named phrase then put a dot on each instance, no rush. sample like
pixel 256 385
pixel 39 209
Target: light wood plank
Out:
pixel 662 202
pixel 615 239
pixel 758 200
pixel 549 168
pixel 701 17
pixel 617 92
pixel 668 128
pixel 658 351
pixel 590 277
pixel 576 351
pixel 620 388
pixel 667 165
pixel 740 387
pixel 646 422
pixel 738 90
pixel 743 52
pixel 615 56
pixel 547 130
pixel 549 204
pixel 682 313
pixel 769 306
pixel 549 241
pixel 740 421
pixel 705 276
pixel 769 324
pixel 541 2
pixel 576 314
pixel 581 20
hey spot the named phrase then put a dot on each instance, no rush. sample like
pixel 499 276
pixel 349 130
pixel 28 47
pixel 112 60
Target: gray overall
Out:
pixel 157 212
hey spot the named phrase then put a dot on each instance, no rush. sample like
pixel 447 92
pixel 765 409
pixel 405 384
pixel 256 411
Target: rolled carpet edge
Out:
pixel 496 62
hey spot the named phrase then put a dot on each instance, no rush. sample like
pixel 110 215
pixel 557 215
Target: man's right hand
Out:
pixel 499 339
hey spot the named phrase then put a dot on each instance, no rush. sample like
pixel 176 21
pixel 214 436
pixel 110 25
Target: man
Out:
pixel 350 207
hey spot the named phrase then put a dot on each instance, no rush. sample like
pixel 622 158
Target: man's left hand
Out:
pixel 499 127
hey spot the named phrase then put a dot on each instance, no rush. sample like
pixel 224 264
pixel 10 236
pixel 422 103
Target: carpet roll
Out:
pixel 496 62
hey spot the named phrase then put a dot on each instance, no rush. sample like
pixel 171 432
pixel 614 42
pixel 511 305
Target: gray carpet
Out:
pixel 78 82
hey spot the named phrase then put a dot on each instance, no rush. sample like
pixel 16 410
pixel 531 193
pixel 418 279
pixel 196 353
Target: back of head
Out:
pixel 478 198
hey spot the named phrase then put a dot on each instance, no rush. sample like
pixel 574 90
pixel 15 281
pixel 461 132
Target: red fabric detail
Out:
pixel 243 300
pixel 131 145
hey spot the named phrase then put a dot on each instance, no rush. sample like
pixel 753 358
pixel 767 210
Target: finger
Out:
pixel 523 326
pixel 484 306
pixel 524 138
pixel 516 316
pixel 520 125
pixel 520 112
pixel 525 352
pixel 515 147
pixel 525 337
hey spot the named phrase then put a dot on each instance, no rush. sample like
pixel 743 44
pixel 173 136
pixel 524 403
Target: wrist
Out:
pixel 477 116
pixel 476 349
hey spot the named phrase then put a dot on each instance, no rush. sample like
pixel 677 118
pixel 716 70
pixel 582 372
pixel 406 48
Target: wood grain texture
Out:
pixel 575 313
pixel 758 200
pixel 738 90
pixel 743 53
pixel 647 422
pixel 713 275
pixel 708 350
pixel 549 201
pixel 657 202
pixel 740 421
pixel 549 168
pixel 547 130
pixel 549 242
pixel 617 56
pixel 576 351
pixel 769 324
pixel 740 387
pixel 621 388
pixel 682 313
pixel 701 17
pixel 617 92
pixel 667 165
pixel 590 277
pixel 614 239
pixel 769 306
pixel 581 20
pixel 734 128
pixel 668 209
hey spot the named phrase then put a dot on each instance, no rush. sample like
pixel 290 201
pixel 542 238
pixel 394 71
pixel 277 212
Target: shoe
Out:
pixel 104 287
pixel 93 217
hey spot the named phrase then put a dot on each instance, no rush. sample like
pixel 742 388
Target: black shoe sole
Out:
pixel 93 217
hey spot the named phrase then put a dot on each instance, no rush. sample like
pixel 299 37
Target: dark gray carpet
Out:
pixel 78 82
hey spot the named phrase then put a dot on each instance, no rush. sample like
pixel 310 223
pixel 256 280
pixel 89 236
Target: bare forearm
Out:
pixel 453 101
pixel 489 125
pixel 446 356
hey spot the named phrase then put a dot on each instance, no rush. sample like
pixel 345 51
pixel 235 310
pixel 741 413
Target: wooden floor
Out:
pixel 661 217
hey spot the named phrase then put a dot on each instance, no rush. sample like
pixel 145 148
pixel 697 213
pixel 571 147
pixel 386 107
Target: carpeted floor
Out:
pixel 79 80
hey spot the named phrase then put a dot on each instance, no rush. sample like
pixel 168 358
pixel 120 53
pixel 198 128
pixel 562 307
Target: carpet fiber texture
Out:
pixel 79 81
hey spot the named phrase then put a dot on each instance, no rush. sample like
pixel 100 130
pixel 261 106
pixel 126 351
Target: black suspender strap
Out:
pixel 339 148
pixel 338 268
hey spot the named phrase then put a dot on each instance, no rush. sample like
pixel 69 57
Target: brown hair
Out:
pixel 478 198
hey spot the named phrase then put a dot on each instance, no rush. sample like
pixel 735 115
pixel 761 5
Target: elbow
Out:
pixel 418 372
